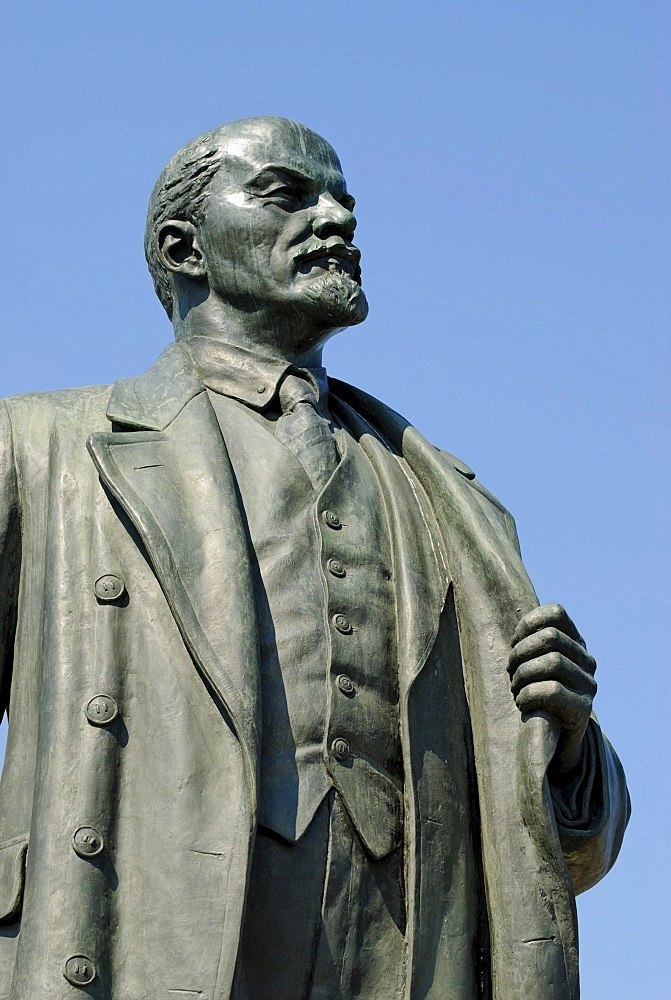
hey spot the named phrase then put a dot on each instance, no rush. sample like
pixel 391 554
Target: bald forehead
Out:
pixel 261 138
pixel 253 144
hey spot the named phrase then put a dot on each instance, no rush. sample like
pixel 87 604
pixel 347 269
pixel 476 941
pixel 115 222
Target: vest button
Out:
pixel 345 684
pixel 340 749
pixel 108 587
pixel 87 842
pixel 101 710
pixel 79 970
pixel 332 519
pixel 335 567
pixel 342 623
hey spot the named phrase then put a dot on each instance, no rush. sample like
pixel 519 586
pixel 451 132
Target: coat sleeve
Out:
pixel 592 812
pixel 10 554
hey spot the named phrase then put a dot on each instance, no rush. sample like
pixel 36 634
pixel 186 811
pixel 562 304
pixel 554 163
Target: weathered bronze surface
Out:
pixel 286 719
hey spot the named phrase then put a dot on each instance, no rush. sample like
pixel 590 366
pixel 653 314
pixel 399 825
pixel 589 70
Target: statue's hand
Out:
pixel 551 671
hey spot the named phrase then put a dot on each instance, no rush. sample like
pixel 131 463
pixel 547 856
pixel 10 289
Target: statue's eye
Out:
pixel 284 193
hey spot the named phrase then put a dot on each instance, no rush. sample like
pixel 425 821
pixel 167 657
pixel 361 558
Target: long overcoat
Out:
pixel 134 481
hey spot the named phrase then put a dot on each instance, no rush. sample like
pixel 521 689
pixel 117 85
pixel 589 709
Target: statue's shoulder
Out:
pixel 63 411
pixel 486 498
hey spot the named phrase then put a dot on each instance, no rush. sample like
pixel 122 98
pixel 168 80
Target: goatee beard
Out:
pixel 337 300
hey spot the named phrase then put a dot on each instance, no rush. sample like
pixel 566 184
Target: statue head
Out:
pixel 254 218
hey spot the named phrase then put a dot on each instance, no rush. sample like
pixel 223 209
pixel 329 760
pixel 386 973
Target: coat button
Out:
pixel 87 842
pixel 108 587
pixel 79 970
pixel 101 710
pixel 335 567
pixel 340 749
pixel 342 623
pixel 345 684
pixel 332 519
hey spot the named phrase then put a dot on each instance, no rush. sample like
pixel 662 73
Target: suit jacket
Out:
pixel 170 784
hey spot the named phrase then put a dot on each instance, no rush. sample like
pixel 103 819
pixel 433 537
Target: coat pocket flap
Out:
pixel 12 872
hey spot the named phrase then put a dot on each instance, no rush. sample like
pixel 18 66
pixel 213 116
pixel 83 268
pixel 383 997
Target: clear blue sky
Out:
pixel 511 166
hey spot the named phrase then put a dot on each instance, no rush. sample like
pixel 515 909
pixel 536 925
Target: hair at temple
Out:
pixel 180 193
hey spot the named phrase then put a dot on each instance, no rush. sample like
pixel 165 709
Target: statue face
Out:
pixel 278 228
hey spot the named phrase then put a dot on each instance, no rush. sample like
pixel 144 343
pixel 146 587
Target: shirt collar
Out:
pixel 252 378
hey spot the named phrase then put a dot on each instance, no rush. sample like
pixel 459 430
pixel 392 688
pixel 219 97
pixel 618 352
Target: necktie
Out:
pixel 305 432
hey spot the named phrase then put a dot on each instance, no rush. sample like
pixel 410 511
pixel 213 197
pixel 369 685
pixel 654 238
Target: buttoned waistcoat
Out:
pixel 325 611
pixel 170 783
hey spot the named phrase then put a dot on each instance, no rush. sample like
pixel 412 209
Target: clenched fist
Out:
pixel 551 671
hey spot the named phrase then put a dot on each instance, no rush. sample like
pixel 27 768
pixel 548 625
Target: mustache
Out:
pixel 335 247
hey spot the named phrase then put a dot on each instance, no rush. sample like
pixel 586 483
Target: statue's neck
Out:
pixel 262 331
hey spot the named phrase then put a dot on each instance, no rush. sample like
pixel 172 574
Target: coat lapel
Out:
pixel 529 894
pixel 172 476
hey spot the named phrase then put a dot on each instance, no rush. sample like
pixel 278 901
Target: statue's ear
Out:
pixel 179 249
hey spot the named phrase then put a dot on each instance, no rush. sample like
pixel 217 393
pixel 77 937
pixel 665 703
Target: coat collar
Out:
pixel 152 400
pixel 246 375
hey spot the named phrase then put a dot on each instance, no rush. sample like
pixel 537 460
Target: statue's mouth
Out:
pixel 334 256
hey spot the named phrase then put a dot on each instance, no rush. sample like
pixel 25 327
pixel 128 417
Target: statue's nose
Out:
pixel 332 219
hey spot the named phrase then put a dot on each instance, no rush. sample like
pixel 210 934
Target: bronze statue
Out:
pixel 286 719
